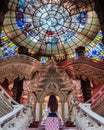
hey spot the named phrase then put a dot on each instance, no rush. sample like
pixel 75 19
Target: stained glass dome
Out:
pixel 53 27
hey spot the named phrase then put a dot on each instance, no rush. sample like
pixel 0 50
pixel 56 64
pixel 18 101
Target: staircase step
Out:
pixel 68 128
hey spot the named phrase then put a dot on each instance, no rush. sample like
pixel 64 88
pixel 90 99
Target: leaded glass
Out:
pixel 54 27
pixel 9 48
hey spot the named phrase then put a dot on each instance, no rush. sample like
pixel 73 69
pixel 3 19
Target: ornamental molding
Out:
pixel 84 67
pixel 26 66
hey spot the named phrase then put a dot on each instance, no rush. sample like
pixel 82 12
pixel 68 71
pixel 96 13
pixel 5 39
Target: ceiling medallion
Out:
pixel 51 19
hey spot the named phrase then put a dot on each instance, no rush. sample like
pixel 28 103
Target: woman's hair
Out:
pixel 53 103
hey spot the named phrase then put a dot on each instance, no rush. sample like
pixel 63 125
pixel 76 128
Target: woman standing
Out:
pixel 52 107
pixel 52 120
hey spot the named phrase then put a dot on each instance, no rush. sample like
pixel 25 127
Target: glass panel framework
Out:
pixel 53 27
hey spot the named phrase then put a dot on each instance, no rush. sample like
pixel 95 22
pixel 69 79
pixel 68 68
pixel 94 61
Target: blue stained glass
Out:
pixel 75 54
pixel 100 34
pixel 7 42
pixel 20 23
pixel 43 59
pixel 7 49
pixel 1 56
pixel 95 41
pixel 22 3
pixel 2 34
pixel 52 41
pixel 13 48
pixel 82 18
pixel 68 35
pixel 95 53
pixel 55 40
pixel 102 57
pixel 7 52
pixel 100 47
pixel 89 47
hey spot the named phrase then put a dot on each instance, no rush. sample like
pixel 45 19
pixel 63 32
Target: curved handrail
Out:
pixel 11 114
pixel 17 107
pixel 91 113
pixel 18 111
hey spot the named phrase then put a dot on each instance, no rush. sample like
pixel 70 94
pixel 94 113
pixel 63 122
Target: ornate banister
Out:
pixel 10 115
pixel 86 119
pixel 18 118
pixel 92 114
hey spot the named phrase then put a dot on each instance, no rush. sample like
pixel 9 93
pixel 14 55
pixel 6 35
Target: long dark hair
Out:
pixel 53 103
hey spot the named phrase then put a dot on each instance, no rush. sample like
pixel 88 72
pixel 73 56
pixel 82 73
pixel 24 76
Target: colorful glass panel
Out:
pixel 53 27
pixel 95 49
pixel 8 48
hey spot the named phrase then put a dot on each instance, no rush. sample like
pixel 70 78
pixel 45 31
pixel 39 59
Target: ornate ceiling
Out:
pixel 52 28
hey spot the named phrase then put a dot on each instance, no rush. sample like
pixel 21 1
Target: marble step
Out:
pixel 67 128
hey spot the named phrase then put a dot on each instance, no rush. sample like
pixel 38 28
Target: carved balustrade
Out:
pixel 15 116
pixel 86 119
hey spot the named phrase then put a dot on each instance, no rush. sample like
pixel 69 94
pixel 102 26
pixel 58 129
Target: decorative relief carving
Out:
pixel 55 77
pixel 85 67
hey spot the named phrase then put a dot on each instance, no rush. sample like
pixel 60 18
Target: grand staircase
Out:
pixel 14 116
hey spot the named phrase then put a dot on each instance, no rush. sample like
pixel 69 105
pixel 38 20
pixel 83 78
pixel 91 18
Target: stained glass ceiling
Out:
pixel 53 27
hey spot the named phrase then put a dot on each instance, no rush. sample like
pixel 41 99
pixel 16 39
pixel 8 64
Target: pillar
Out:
pixel 66 111
pixel 37 111
pixel 40 117
pixel 63 110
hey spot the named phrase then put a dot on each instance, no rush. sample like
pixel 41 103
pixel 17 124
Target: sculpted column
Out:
pixel 37 111
pixel 40 111
pixel 63 110
pixel 66 111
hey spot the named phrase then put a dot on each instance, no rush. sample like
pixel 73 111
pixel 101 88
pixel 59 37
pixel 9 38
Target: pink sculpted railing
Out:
pixel 98 98
pixel 82 60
